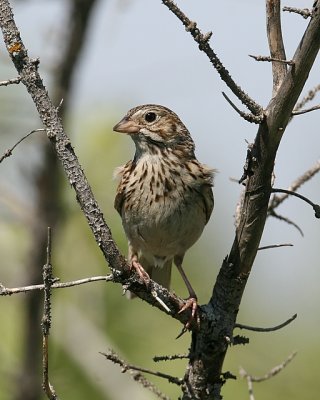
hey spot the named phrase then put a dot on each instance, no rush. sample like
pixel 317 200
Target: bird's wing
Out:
pixel 121 173
pixel 207 196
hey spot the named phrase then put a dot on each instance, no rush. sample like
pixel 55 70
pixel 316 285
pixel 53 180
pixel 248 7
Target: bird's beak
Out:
pixel 126 126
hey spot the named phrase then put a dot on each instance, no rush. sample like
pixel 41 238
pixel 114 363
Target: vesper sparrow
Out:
pixel 164 196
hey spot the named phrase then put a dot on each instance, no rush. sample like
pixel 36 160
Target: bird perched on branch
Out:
pixel 164 196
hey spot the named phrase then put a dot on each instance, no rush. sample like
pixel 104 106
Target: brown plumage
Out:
pixel 165 194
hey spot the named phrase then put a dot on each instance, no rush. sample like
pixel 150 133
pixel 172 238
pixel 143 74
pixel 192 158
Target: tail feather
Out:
pixel 160 275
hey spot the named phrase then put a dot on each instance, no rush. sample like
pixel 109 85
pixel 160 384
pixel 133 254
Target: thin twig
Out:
pixel 112 356
pixel 307 110
pixel 4 291
pixel 46 323
pixel 8 152
pixel 203 42
pixel 138 377
pixel 160 301
pixel 305 12
pixel 285 219
pixel 275 246
pixel 272 329
pixel 273 372
pixel 316 207
pixel 276 45
pixel 310 173
pixel 250 387
pixel 256 119
pixel 170 358
pixel 13 81
pixel 306 99
pixel 271 59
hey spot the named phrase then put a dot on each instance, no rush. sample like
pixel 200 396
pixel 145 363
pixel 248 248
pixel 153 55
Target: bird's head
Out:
pixel 153 126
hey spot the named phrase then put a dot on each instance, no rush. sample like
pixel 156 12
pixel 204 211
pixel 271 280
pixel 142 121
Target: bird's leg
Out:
pixel 139 269
pixel 192 301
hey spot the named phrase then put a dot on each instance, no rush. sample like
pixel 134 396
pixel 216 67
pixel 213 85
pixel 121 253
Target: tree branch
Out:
pixel 310 96
pixel 272 329
pixel 309 174
pixel 13 81
pixel 203 42
pixel 276 46
pixel 4 291
pixel 305 12
pixel 8 152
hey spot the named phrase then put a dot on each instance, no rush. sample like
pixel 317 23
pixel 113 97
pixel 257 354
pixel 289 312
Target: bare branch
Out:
pixel 271 59
pixel 249 383
pixel 272 329
pixel 316 207
pixel 273 372
pixel 257 119
pixel 46 323
pixel 306 110
pixel 275 246
pixel 272 213
pixel 310 173
pixel 137 376
pixel 8 152
pixel 310 96
pixel 112 356
pixel 276 46
pixel 170 358
pixel 204 46
pixel 4 291
pixel 13 81
pixel 305 12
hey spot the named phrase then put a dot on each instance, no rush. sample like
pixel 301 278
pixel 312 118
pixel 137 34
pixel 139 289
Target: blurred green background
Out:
pixel 126 59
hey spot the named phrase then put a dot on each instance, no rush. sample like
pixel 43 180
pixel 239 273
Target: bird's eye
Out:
pixel 150 116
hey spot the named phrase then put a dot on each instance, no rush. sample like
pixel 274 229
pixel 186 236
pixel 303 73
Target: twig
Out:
pixel 10 81
pixel 316 207
pixel 249 383
pixel 272 213
pixel 46 323
pixel 306 110
pixel 272 329
pixel 112 356
pixel 271 59
pixel 161 302
pixel 203 42
pixel 277 200
pixel 273 372
pixel 4 291
pixel 276 46
pixel 8 152
pixel 137 376
pixel 238 339
pixel 170 358
pixel 257 119
pixel 274 246
pixel 306 99
pixel 305 12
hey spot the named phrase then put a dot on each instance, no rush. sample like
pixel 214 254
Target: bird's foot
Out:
pixel 191 303
pixel 140 271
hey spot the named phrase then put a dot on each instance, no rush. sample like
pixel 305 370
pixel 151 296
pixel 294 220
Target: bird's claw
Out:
pixel 144 276
pixel 191 303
